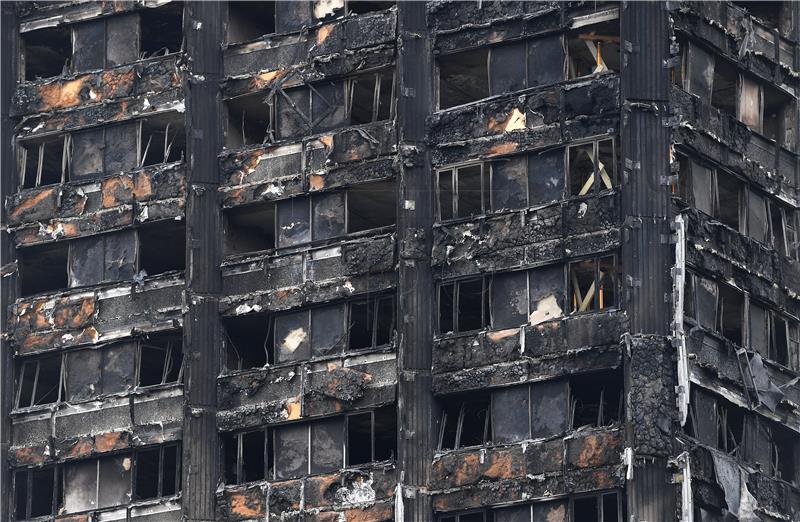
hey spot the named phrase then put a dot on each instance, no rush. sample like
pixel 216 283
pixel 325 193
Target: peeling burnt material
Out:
pixel 430 262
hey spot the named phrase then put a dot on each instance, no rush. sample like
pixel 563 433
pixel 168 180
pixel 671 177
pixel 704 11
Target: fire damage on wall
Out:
pixel 548 400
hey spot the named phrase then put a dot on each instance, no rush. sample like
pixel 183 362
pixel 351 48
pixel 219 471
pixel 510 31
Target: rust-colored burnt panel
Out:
pixel 28 455
pixel 593 450
pixel 285 496
pixel 377 513
pixel 137 79
pixel 116 191
pixel 80 447
pixel 320 490
pixel 343 384
pixel 246 504
pixel 86 517
pixel 33 203
pixel 112 441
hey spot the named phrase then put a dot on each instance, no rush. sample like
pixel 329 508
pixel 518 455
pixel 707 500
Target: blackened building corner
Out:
pixel 367 261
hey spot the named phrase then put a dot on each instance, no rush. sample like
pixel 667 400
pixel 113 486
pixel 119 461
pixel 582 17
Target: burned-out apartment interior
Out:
pixel 372 261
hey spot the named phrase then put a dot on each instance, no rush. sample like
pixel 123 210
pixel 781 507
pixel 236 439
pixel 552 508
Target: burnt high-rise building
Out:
pixel 366 261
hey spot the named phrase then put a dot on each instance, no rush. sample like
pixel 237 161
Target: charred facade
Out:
pixel 341 260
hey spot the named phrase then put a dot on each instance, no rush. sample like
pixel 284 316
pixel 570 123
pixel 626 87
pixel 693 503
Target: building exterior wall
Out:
pixel 377 261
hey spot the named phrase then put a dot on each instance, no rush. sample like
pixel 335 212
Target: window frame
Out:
pixel 596 304
pixel 597 176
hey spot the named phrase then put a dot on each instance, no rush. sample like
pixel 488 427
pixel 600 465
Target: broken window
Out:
pixel 511 428
pixel 465 422
pixel 327 445
pixel 463 305
pixel 596 399
pixel 371 206
pixel 108 257
pixel 247 456
pixel 44 162
pixel 509 299
pixel 39 381
pixel 158 472
pixel 250 119
pixel 371 436
pixel 591 167
pixel 91 38
pixel 463 77
pixel 250 228
pixel 731 313
pixel 605 507
pixel 250 20
pixel 784 230
pixel 757 217
pixel 328 335
pixel 160 360
pixel 464 191
pixel 97 483
pixel 698 69
pixel 509 183
pixel 779 120
pixel 593 284
pixel 43 268
pixel 292 336
pixel 730 426
pixel 248 341
pixel 109 481
pixel 475 515
pixel 371 322
pixel 593 49
pixel 784 340
pixel 161 30
pixel 783 453
pixel 162 247
pixel 91 373
pixel 37 492
pixel 47 52
pixel 370 97
pixel 161 140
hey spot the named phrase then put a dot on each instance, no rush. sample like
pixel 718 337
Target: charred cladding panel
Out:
pixel 381 261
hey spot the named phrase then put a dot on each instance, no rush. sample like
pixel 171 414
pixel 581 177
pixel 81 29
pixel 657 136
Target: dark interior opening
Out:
pixel 250 228
pixel 723 92
pixel 253 452
pixel 385 433
pixel 162 247
pixel 371 205
pixel 43 486
pixel 147 462
pixel 371 97
pixel 596 399
pixel 47 52
pixel 249 120
pixel 359 438
pixel 767 12
pixel 585 45
pixel 463 78
pixel 248 341
pixel 161 30
pixel 49 153
pixel 729 194
pixel 586 509
pixel 731 313
pixel 43 268
pixel 776 105
pixel 785 447
pixel 163 140
pixel 472 302
pixel 466 421
pixel 367 6
pixel 249 20
pixel 161 359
